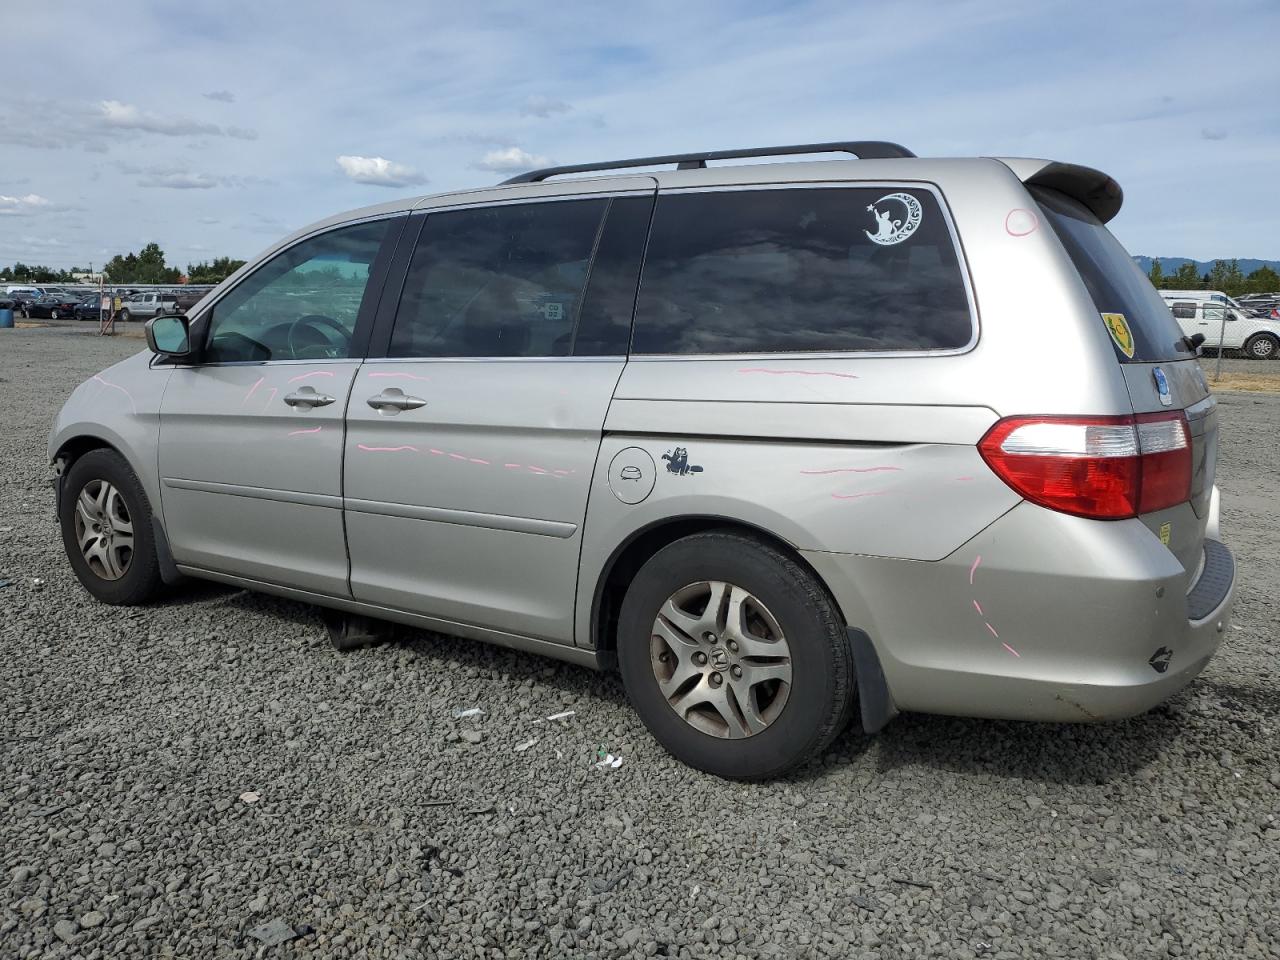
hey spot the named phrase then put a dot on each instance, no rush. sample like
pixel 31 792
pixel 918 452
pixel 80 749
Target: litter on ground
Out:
pixel 522 747
pixel 460 713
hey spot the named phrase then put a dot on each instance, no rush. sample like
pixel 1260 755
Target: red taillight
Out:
pixel 1107 468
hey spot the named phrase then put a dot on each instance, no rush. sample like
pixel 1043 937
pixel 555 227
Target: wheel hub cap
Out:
pixel 104 530
pixel 720 659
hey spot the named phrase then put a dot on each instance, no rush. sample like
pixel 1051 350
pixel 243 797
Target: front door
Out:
pixel 471 441
pixel 251 435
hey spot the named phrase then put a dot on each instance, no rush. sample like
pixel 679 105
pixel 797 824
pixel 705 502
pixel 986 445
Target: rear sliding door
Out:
pixel 473 428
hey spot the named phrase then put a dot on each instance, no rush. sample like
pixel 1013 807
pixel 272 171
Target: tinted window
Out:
pixel 604 324
pixel 1114 281
pixel 302 304
pixel 1184 311
pixel 503 281
pixel 798 270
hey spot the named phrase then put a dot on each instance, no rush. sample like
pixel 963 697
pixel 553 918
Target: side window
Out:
pixel 300 305
pixel 604 324
pixel 801 270
pixel 501 281
pixel 1214 313
pixel 1184 311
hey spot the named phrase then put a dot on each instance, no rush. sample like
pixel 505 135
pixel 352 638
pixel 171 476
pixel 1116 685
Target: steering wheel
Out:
pixel 316 322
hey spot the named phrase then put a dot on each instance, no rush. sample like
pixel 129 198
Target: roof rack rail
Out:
pixel 862 149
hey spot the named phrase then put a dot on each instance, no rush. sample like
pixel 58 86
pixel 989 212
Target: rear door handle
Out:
pixel 307 397
pixel 393 399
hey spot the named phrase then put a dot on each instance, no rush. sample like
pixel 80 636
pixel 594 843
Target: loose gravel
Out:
pixel 207 777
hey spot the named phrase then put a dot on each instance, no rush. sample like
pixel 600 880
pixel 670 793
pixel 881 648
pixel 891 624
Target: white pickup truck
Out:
pixel 144 306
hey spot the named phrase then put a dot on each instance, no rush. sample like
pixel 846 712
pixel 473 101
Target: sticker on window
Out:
pixel 1121 335
pixel 891 229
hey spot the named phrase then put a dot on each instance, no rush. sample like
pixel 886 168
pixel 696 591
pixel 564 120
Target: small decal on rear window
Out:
pixel 1121 335
pixel 897 217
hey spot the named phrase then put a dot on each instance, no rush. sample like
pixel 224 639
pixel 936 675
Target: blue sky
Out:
pixel 217 130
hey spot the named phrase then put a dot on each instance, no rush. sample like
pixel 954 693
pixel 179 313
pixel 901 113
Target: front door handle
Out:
pixel 307 397
pixel 394 399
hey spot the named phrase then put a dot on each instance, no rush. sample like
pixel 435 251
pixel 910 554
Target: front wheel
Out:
pixel 735 656
pixel 1262 346
pixel 106 529
pixel 124 316
pixel 53 314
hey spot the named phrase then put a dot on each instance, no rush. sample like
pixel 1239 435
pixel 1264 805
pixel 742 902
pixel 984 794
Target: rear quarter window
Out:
pixel 828 269
pixel 1114 281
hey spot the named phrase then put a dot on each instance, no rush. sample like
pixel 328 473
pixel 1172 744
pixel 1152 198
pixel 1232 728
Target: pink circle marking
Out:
pixel 1020 222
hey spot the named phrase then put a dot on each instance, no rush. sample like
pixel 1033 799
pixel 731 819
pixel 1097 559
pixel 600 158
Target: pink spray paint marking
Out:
pixel 252 390
pixel 513 466
pixel 858 496
pixel 403 376
pixel 961 479
pixel 116 386
pixel 1011 650
pixel 478 460
pixel 457 456
pixel 815 473
pixel 1020 222
pixel 438 453
pixel 274 391
pixel 977 606
pixel 800 373
pixel 973 569
pixel 993 631
pixel 298 433
pixel 313 373
pixel 369 449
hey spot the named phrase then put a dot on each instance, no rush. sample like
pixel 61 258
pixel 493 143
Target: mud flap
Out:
pixel 873 691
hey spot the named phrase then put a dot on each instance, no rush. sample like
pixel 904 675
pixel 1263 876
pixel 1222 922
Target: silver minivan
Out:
pixel 787 444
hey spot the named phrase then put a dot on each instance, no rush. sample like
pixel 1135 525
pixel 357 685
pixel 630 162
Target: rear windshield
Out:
pixel 1141 326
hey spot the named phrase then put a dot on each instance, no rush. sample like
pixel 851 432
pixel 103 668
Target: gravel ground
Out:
pixel 132 742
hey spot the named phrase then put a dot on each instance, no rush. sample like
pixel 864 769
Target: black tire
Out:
pixel 141 579
pixel 1262 346
pixel 53 314
pixel 123 316
pixel 822 692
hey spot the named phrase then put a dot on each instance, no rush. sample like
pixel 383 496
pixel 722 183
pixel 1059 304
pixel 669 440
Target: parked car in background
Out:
pixel 89 308
pixel 21 297
pixel 1223 321
pixel 144 306
pixel 52 307
pixel 733 429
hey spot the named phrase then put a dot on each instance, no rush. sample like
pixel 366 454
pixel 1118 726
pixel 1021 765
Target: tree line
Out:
pixel 146 266
pixel 1225 276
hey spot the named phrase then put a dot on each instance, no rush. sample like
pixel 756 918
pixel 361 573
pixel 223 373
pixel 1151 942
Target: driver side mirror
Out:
pixel 169 336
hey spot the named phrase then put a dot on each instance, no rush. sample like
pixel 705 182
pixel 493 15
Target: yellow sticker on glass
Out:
pixel 1118 327
pixel 1166 531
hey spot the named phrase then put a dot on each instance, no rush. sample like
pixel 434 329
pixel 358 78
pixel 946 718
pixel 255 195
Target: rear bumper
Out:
pixel 1040 617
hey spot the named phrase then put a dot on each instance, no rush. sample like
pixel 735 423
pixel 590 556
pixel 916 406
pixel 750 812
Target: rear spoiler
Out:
pixel 1093 188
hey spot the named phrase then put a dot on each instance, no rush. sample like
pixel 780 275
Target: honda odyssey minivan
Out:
pixel 787 444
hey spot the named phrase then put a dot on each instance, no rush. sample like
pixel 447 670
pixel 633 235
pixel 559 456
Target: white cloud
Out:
pixel 23 206
pixel 379 171
pixel 125 116
pixel 511 160
pixel 226 96
pixel 179 181
pixel 540 105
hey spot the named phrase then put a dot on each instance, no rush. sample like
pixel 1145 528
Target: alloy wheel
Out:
pixel 721 659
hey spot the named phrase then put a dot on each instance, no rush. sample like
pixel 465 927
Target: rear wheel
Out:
pixel 53 314
pixel 1262 346
pixel 734 656
pixel 106 529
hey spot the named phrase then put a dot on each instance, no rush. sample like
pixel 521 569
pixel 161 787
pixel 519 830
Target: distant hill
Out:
pixel 1171 264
